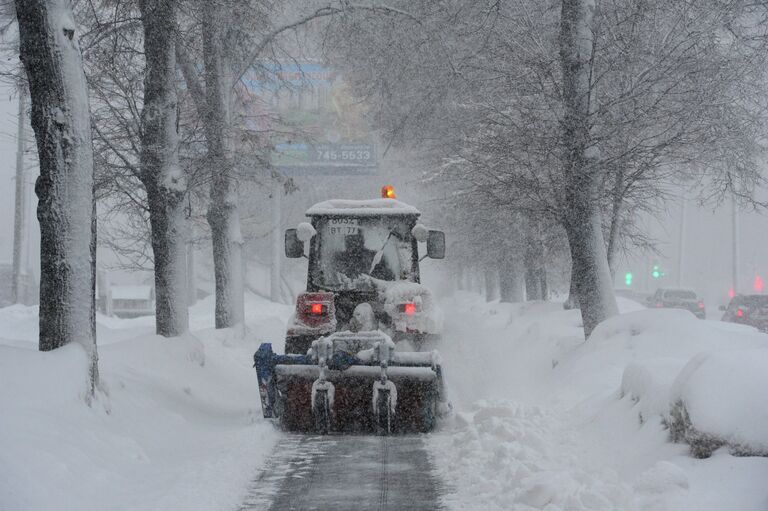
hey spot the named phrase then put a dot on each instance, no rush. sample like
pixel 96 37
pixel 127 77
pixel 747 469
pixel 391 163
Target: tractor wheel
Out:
pixel 383 413
pixel 322 412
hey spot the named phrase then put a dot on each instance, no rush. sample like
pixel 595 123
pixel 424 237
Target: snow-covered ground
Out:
pixel 547 421
pixel 177 425
pixel 543 420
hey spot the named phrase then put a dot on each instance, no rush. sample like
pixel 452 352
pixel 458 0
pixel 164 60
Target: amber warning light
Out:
pixel 388 192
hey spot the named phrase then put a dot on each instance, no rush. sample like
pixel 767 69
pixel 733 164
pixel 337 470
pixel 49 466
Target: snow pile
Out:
pixel 19 323
pixel 176 423
pixel 721 399
pixel 547 420
pixel 706 378
pixel 508 456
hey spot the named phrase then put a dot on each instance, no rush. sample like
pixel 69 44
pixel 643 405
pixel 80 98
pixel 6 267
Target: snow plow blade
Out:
pixel 338 387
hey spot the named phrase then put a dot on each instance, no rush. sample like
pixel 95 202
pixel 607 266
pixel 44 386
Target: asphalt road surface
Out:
pixel 346 472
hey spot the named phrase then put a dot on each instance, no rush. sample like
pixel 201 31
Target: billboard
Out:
pixel 306 118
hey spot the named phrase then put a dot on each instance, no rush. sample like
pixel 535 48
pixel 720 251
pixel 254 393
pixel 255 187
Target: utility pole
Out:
pixel 735 246
pixel 18 218
pixel 274 276
pixel 681 242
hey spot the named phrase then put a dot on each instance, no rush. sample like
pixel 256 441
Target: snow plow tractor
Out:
pixel 359 348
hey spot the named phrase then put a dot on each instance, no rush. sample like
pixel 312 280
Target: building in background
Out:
pixel 132 301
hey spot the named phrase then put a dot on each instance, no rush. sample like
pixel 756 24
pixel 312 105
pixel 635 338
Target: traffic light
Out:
pixel 656 273
pixel 628 278
pixel 758 284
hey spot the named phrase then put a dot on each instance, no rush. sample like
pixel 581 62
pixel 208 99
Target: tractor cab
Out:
pixel 358 250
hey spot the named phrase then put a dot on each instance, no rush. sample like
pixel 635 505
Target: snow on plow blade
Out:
pixel 339 387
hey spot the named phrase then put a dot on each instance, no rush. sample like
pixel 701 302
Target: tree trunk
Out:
pixel 535 275
pixel 572 302
pixel 616 220
pixel 591 277
pixel 478 281
pixel 223 213
pixel 511 280
pixel 191 273
pixel 61 121
pixel 532 283
pixel 161 175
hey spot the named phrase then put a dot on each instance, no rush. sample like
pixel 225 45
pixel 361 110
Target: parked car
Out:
pixel 749 310
pixel 678 298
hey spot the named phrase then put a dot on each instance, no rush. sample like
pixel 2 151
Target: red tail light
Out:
pixel 739 313
pixel 410 309
pixel 315 309
pixel 701 305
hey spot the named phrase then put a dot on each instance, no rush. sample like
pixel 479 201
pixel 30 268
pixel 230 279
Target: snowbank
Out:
pixel 705 378
pixel 507 455
pixel 176 424
pixel 546 420
pixel 722 399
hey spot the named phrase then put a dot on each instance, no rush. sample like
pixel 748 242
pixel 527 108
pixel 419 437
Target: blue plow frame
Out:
pixel 265 360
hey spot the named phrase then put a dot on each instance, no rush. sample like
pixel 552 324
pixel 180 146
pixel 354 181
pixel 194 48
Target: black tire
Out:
pixel 383 414
pixel 322 413
pixel 428 414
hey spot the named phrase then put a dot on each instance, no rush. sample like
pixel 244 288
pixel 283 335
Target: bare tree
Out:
pixel 223 213
pixel 164 180
pixel 61 121
pixel 582 221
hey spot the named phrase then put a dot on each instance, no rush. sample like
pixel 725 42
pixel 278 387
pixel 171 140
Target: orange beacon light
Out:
pixel 388 192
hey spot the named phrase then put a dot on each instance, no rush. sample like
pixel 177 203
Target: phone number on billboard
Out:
pixel 335 155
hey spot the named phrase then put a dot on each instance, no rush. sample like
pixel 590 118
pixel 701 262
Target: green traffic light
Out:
pixel 656 272
pixel 628 278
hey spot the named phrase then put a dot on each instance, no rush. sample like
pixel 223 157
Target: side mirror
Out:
pixel 436 245
pixel 294 247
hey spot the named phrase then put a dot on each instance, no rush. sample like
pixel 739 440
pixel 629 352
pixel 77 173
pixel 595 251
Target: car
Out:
pixel 749 310
pixel 678 298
